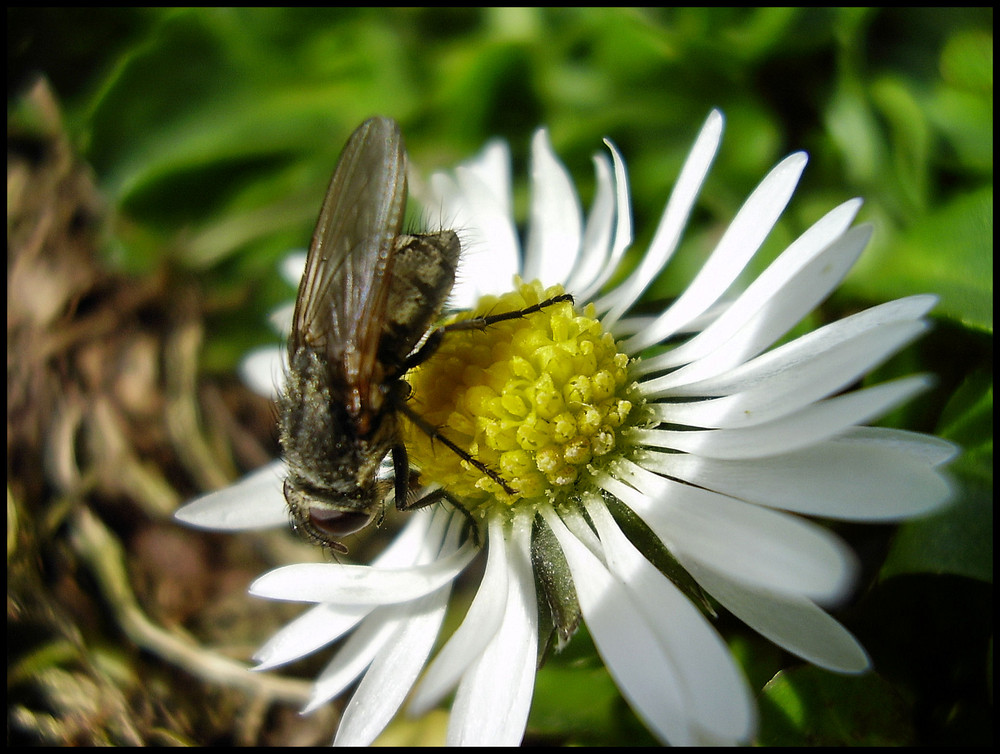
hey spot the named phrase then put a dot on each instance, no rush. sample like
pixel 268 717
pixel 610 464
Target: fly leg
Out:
pixel 433 341
pixel 435 434
pixel 438 495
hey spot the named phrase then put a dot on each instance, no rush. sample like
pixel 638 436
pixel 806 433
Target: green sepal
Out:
pixel 656 552
pixel 558 608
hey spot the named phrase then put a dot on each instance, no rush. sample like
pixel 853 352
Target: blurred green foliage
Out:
pixel 213 132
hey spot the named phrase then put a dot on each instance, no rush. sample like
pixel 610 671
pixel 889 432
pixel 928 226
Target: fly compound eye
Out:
pixel 337 523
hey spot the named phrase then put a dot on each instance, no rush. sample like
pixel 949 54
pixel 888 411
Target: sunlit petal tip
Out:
pixel 264 662
pixel 293 265
pixel 540 141
pixel 270 659
pixel 794 623
pixel 254 502
pixel 281 319
pixel 263 371
pixel 274 583
pixel 491 167
pixel 928 449
pixel 556 223
pixel 608 231
pixel 798 159
pixel 710 132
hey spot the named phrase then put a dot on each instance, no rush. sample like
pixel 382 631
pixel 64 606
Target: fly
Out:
pixel 368 297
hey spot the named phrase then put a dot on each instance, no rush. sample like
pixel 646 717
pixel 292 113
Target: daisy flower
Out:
pixel 655 459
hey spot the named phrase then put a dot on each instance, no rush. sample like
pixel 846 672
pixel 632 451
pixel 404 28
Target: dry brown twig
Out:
pixel 106 437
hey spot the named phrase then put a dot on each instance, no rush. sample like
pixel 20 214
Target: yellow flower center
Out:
pixel 541 400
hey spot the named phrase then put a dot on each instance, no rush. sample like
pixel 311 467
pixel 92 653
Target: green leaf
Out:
pixel 968 419
pixel 962 106
pixel 948 252
pixel 910 139
pixel 811 707
pixel 429 730
pixel 959 539
pixel 967 61
pixel 577 703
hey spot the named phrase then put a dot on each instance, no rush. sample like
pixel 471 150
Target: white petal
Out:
pixel 356 654
pixel 675 217
pixel 630 648
pixel 718 696
pixel 554 230
pixel 790 288
pixel 756 546
pixel 281 318
pixel 263 370
pixel 803 350
pixel 784 380
pixel 597 233
pixel 293 266
pixel 637 323
pixel 492 167
pixel 393 671
pixel 793 623
pixel 480 625
pixel 418 533
pixel 253 502
pixel 360 585
pixel 325 623
pixel 492 703
pixel 806 427
pixel 593 281
pixel 476 201
pixel 490 247
pixel 927 449
pixel 315 628
pixel 834 479
pixel 739 243
pixel 584 533
pixel 409 627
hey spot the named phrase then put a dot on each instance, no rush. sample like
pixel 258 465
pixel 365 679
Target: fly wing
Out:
pixel 341 304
